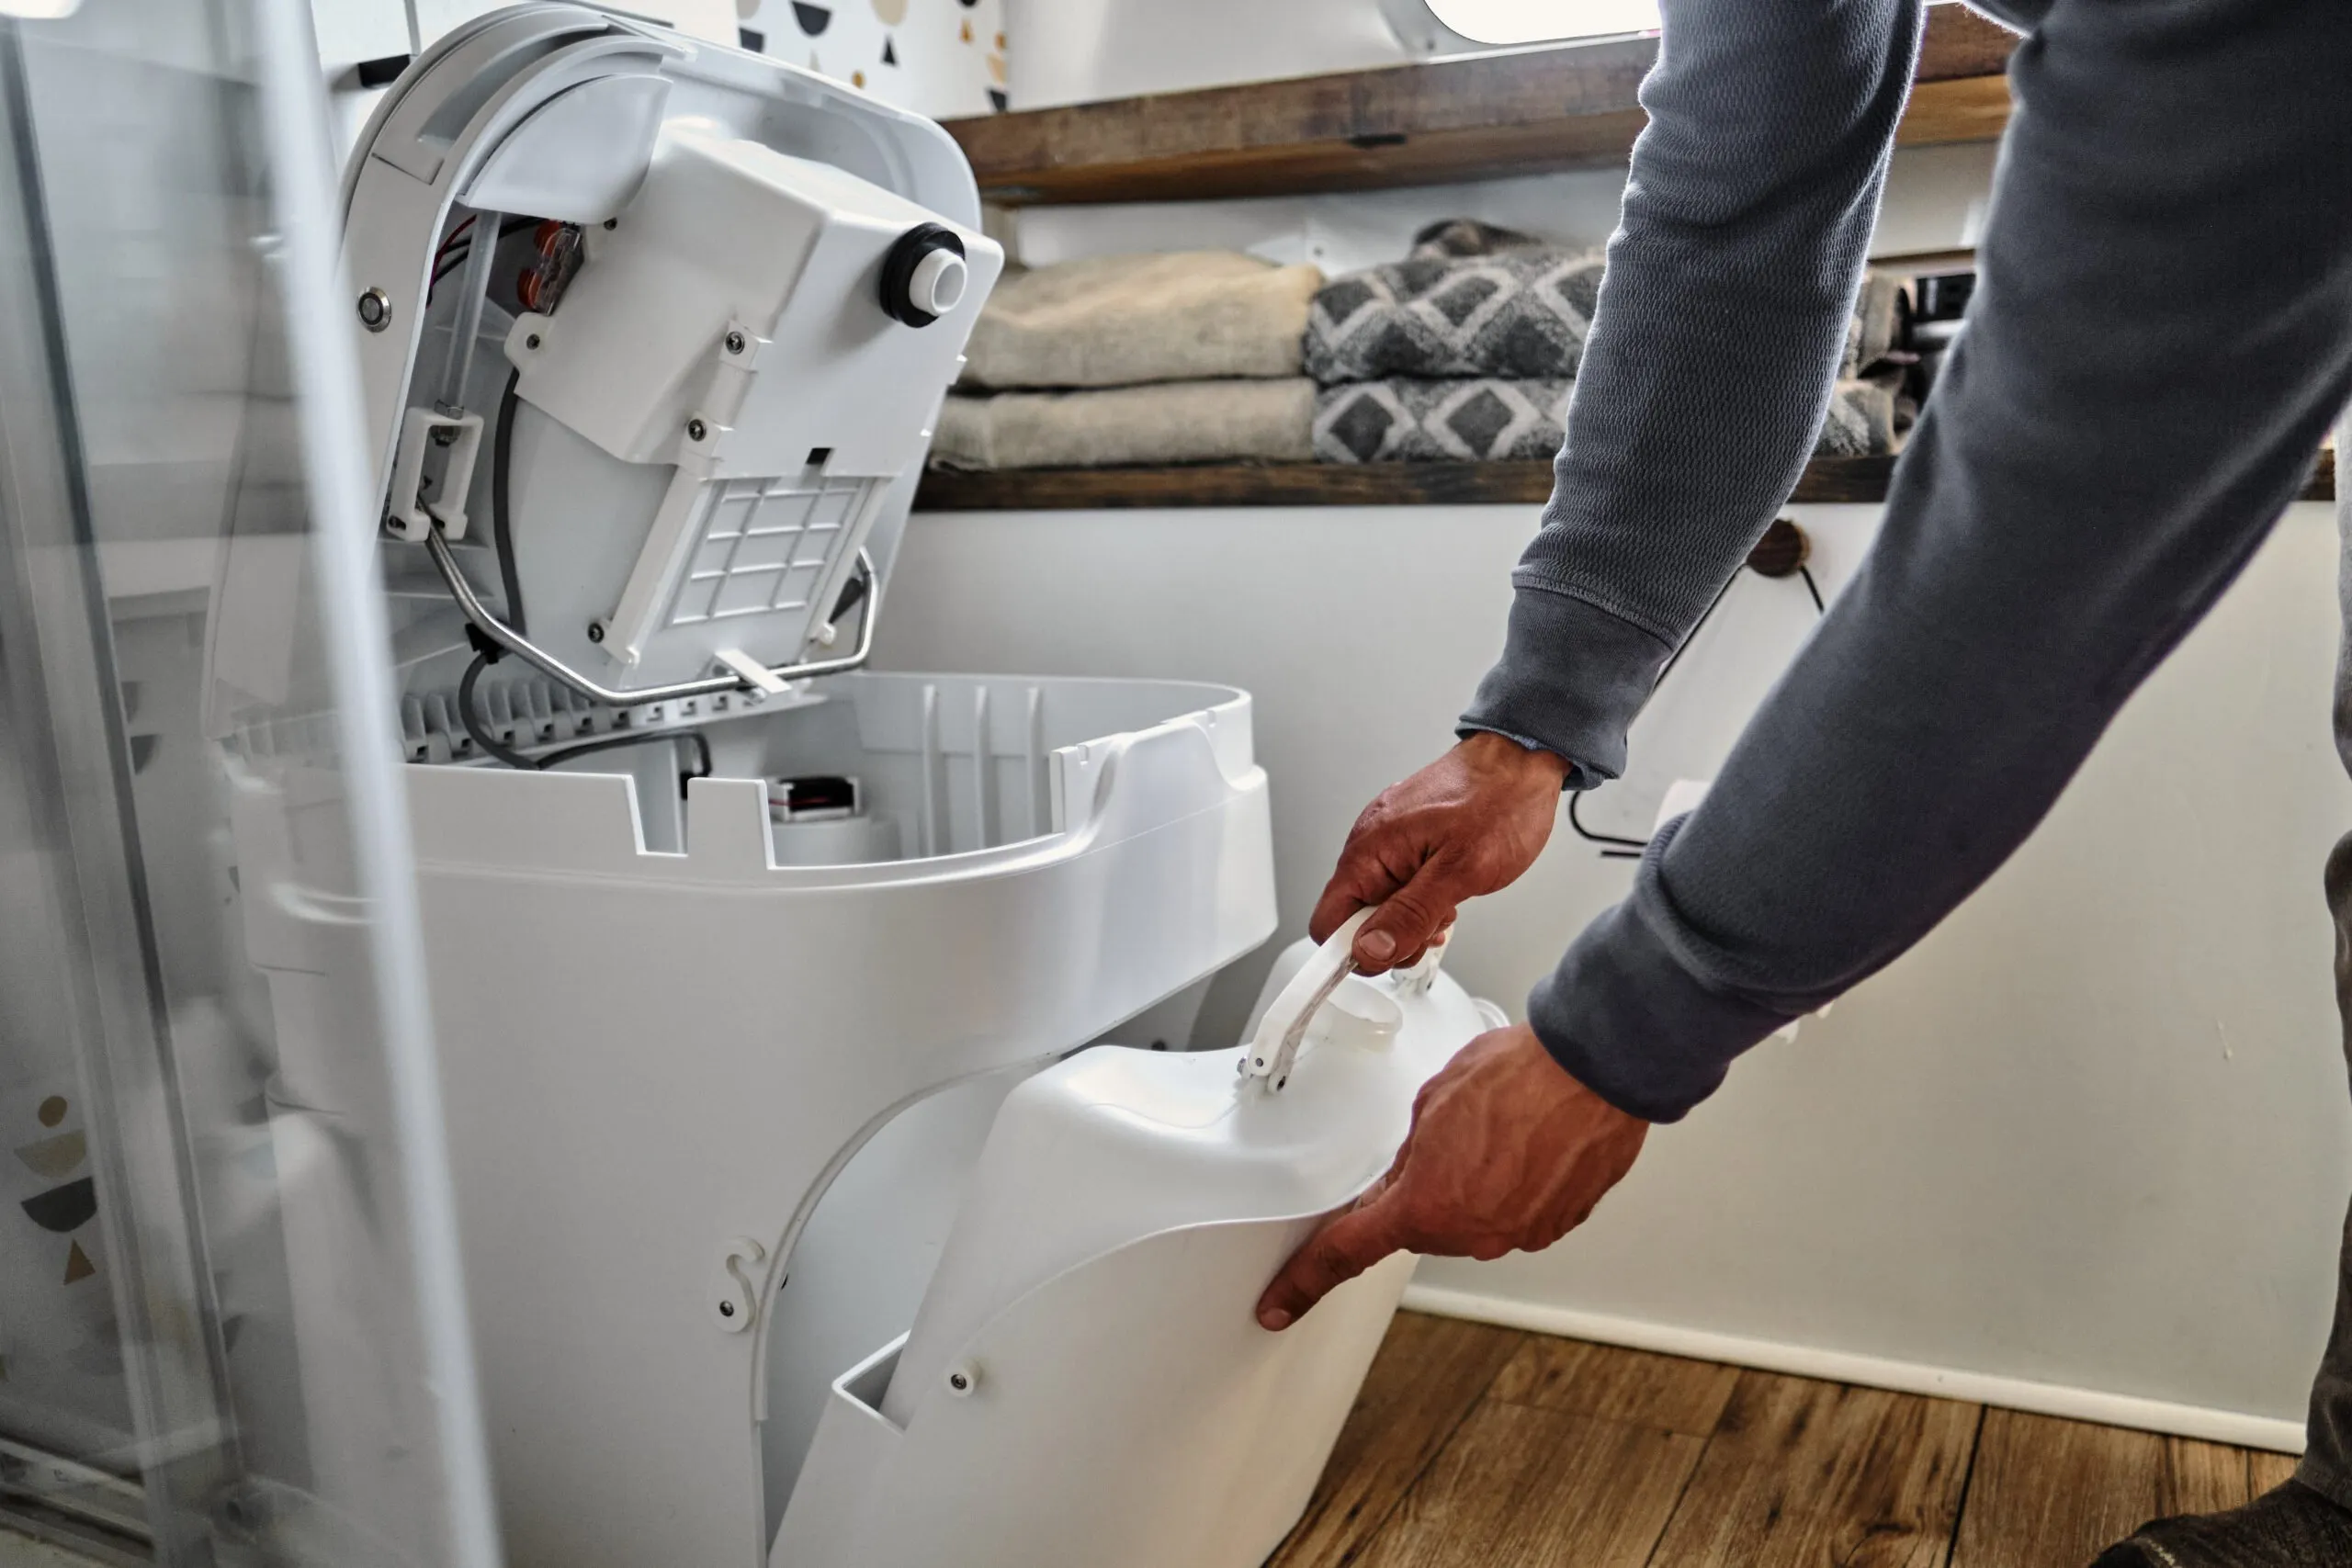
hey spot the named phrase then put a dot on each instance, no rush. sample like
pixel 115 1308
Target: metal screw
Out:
pixel 532 341
pixel 375 310
pixel 595 631
pixel 961 1379
pixel 735 342
pixel 726 1309
pixel 697 430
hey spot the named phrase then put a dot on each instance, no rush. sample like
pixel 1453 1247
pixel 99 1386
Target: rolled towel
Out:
pixel 1490 418
pixel 1173 421
pixel 1121 321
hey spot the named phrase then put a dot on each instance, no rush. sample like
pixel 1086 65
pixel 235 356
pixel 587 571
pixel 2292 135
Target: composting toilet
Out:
pixel 796 1225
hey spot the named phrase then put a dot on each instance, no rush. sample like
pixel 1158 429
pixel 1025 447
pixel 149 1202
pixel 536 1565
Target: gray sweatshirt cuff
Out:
pixel 1630 1019
pixel 1571 679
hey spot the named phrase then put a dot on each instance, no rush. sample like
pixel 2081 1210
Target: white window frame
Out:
pixel 1453 26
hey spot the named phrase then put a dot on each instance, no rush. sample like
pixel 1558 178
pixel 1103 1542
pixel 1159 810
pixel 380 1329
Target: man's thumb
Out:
pixel 1403 922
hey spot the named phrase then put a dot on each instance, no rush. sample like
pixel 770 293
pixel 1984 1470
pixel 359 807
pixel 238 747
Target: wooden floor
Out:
pixel 1476 1447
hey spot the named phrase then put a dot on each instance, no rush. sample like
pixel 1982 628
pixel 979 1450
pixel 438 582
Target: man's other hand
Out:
pixel 1467 824
pixel 1506 1152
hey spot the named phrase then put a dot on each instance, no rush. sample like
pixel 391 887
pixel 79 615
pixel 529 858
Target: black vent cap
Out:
pixel 899 270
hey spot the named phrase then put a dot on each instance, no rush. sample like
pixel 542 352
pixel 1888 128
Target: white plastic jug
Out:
pixel 1086 1385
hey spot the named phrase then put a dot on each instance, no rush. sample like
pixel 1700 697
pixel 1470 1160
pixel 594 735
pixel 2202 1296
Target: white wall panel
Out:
pixel 2092 1134
pixel 1935 198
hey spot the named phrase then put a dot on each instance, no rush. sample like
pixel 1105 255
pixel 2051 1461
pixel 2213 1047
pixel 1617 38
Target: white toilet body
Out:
pixel 678 1018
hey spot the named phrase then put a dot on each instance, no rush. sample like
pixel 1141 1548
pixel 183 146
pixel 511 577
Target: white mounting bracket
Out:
pixel 735 1287
pixel 411 516
pixel 754 673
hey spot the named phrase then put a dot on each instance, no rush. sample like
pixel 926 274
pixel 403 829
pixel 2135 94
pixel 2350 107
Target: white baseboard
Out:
pixel 1871 1371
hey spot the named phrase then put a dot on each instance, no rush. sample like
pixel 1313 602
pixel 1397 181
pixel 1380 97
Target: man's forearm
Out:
pixel 2162 330
pixel 1747 221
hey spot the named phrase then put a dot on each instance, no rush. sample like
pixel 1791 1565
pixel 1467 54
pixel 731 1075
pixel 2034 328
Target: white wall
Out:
pixel 936 57
pixel 1935 201
pixel 2092 1133
pixel 1077 50
pixel 941 58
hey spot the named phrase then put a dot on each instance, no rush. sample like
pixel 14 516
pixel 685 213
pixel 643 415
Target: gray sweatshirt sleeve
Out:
pixel 1747 221
pixel 2161 333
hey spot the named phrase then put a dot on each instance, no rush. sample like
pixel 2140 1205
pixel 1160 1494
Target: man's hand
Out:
pixel 1467 824
pixel 1507 1151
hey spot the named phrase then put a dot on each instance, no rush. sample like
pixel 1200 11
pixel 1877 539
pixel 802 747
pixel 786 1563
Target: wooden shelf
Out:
pixel 1313 484
pixel 1349 484
pixel 1474 117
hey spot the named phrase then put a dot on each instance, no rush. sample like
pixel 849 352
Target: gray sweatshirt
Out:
pixel 2157 343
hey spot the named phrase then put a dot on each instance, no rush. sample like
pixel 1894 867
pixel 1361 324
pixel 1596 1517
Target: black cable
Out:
pixel 1626 849
pixel 469 715
pixel 1692 635
pixel 471 719
pixel 501 500
pixel 646 738
pixel 458 246
pixel 509 584
pixel 1587 834
pixel 1614 846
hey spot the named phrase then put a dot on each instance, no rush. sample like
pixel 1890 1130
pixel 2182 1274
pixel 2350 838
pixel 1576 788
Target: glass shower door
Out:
pixel 231 1319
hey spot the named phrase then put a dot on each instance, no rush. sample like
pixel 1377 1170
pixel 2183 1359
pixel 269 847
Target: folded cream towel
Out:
pixel 1120 321
pixel 1174 422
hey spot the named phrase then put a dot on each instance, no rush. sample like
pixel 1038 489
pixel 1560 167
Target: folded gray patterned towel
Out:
pixel 1868 418
pixel 1489 419
pixel 1469 300
pixel 1876 324
pixel 1121 320
pixel 1173 421
pixel 1472 299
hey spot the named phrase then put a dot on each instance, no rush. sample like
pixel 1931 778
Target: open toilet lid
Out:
pixel 757 286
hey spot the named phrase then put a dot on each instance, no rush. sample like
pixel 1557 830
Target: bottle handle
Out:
pixel 1275 1049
